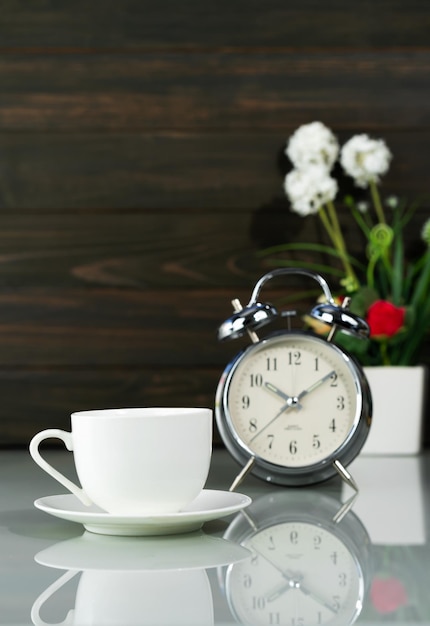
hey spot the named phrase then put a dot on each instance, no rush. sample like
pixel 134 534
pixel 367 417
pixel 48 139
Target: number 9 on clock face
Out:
pixel 295 403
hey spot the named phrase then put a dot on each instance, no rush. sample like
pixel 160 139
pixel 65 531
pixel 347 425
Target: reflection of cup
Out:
pixel 158 580
pixel 160 597
pixel 139 461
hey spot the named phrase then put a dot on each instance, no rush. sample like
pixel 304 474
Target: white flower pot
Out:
pixel 398 399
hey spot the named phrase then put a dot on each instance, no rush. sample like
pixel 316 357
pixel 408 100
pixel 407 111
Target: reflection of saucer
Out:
pixel 92 552
pixel 208 505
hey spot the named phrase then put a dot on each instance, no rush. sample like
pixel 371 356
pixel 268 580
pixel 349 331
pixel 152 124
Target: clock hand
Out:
pixel 286 406
pixel 292 579
pixel 292 402
pixel 316 384
pixel 293 582
pixel 290 399
pixel 277 592
pixel 334 608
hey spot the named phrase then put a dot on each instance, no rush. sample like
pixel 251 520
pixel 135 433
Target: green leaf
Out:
pixel 362 299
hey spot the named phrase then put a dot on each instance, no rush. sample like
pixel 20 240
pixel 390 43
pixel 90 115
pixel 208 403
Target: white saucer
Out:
pixel 209 505
pixel 95 552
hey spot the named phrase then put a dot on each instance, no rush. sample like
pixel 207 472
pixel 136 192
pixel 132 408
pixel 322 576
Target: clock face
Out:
pixel 299 574
pixel 292 400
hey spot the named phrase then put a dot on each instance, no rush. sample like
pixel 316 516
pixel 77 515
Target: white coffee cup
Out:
pixel 140 461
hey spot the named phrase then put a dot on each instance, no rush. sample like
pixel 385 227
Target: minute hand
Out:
pixel 278 414
pixel 315 385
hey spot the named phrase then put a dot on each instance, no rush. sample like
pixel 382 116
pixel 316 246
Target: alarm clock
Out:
pixel 293 408
pixel 310 561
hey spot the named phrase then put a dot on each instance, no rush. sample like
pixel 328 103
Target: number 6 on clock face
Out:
pixel 295 404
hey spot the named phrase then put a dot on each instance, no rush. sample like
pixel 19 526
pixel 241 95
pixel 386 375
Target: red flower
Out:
pixel 387 595
pixel 385 318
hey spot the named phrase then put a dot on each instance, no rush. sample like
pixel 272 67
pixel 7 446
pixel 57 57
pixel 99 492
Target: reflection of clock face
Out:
pixel 300 574
pixel 310 560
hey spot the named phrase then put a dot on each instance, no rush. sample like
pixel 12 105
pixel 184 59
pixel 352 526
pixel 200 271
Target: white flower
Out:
pixel 309 189
pixel 312 144
pixel 362 207
pixel 426 232
pixel 365 159
pixel 392 202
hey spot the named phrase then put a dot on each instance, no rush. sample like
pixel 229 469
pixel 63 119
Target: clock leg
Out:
pixel 345 475
pixel 244 471
pixel 345 508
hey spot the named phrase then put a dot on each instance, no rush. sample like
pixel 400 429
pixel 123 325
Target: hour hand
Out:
pixel 290 582
pixel 290 400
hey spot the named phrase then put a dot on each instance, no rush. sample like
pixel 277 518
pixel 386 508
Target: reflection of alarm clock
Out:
pixel 308 565
pixel 293 408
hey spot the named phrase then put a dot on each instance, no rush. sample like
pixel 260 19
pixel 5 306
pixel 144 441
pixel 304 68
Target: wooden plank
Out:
pixel 118 327
pixel 141 250
pixel 152 250
pixel 34 399
pixel 111 327
pixel 171 171
pixel 43 398
pixel 371 90
pixel 143 24
pixel 121 327
pixel 165 171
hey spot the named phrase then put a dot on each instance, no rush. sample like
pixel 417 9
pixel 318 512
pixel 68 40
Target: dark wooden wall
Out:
pixel 140 172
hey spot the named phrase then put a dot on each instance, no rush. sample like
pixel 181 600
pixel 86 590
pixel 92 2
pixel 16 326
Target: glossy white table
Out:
pixel 301 557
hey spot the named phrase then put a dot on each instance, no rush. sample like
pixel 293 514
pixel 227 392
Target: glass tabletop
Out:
pixel 295 557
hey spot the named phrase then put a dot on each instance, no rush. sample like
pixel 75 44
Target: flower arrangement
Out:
pixel 390 291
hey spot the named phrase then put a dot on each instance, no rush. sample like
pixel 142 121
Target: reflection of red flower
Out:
pixel 387 594
pixel 384 318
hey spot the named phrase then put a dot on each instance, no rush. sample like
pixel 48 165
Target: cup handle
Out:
pixel 66 437
pixel 35 611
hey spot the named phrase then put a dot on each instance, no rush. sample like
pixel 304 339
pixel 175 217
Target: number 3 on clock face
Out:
pixel 295 403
